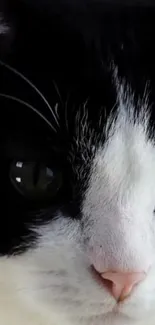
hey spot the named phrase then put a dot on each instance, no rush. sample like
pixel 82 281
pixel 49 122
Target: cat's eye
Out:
pixel 35 180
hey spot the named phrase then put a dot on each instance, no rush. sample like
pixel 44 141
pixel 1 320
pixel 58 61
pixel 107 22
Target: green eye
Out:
pixel 34 180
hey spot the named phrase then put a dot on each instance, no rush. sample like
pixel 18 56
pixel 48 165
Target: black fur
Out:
pixel 66 49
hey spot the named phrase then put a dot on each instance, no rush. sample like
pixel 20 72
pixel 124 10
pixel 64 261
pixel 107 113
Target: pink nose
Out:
pixel 122 284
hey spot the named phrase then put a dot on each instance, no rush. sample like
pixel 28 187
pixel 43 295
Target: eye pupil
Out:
pixel 36 174
pixel 35 180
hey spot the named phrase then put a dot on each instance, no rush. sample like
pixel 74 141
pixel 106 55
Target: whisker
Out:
pixel 57 91
pixel 56 113
pixel 85 103
pixel 66 112
pixel 29 106
pixel 31 84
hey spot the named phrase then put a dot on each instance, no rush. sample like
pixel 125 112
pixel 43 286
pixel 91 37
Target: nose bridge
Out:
pixel 123 246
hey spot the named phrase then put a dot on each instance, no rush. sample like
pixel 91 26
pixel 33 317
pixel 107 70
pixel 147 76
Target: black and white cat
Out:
pixel 77 162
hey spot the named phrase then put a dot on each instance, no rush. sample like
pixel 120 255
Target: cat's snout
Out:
pixel 121 284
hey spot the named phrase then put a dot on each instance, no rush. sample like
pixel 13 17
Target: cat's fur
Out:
pixel 94 61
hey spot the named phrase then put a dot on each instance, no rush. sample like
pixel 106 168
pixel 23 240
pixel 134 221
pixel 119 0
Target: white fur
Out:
pixel 52 283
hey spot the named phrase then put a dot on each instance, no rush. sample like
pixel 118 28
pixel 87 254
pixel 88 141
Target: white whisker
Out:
pixel 29 106
pixel 56 113
pixel 85 103
pixel 57 91
pixel 66 115
pixel 31 84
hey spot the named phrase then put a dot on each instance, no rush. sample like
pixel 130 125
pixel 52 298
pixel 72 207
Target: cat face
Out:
pixel 77 166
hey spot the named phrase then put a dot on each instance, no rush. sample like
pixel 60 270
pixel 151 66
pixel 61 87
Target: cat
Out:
pixel 77 125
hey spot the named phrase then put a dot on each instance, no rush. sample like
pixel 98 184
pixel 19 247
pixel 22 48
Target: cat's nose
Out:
pixel 120 284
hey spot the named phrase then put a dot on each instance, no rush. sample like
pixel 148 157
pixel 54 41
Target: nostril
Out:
pixel 104 282
pixel 107 284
